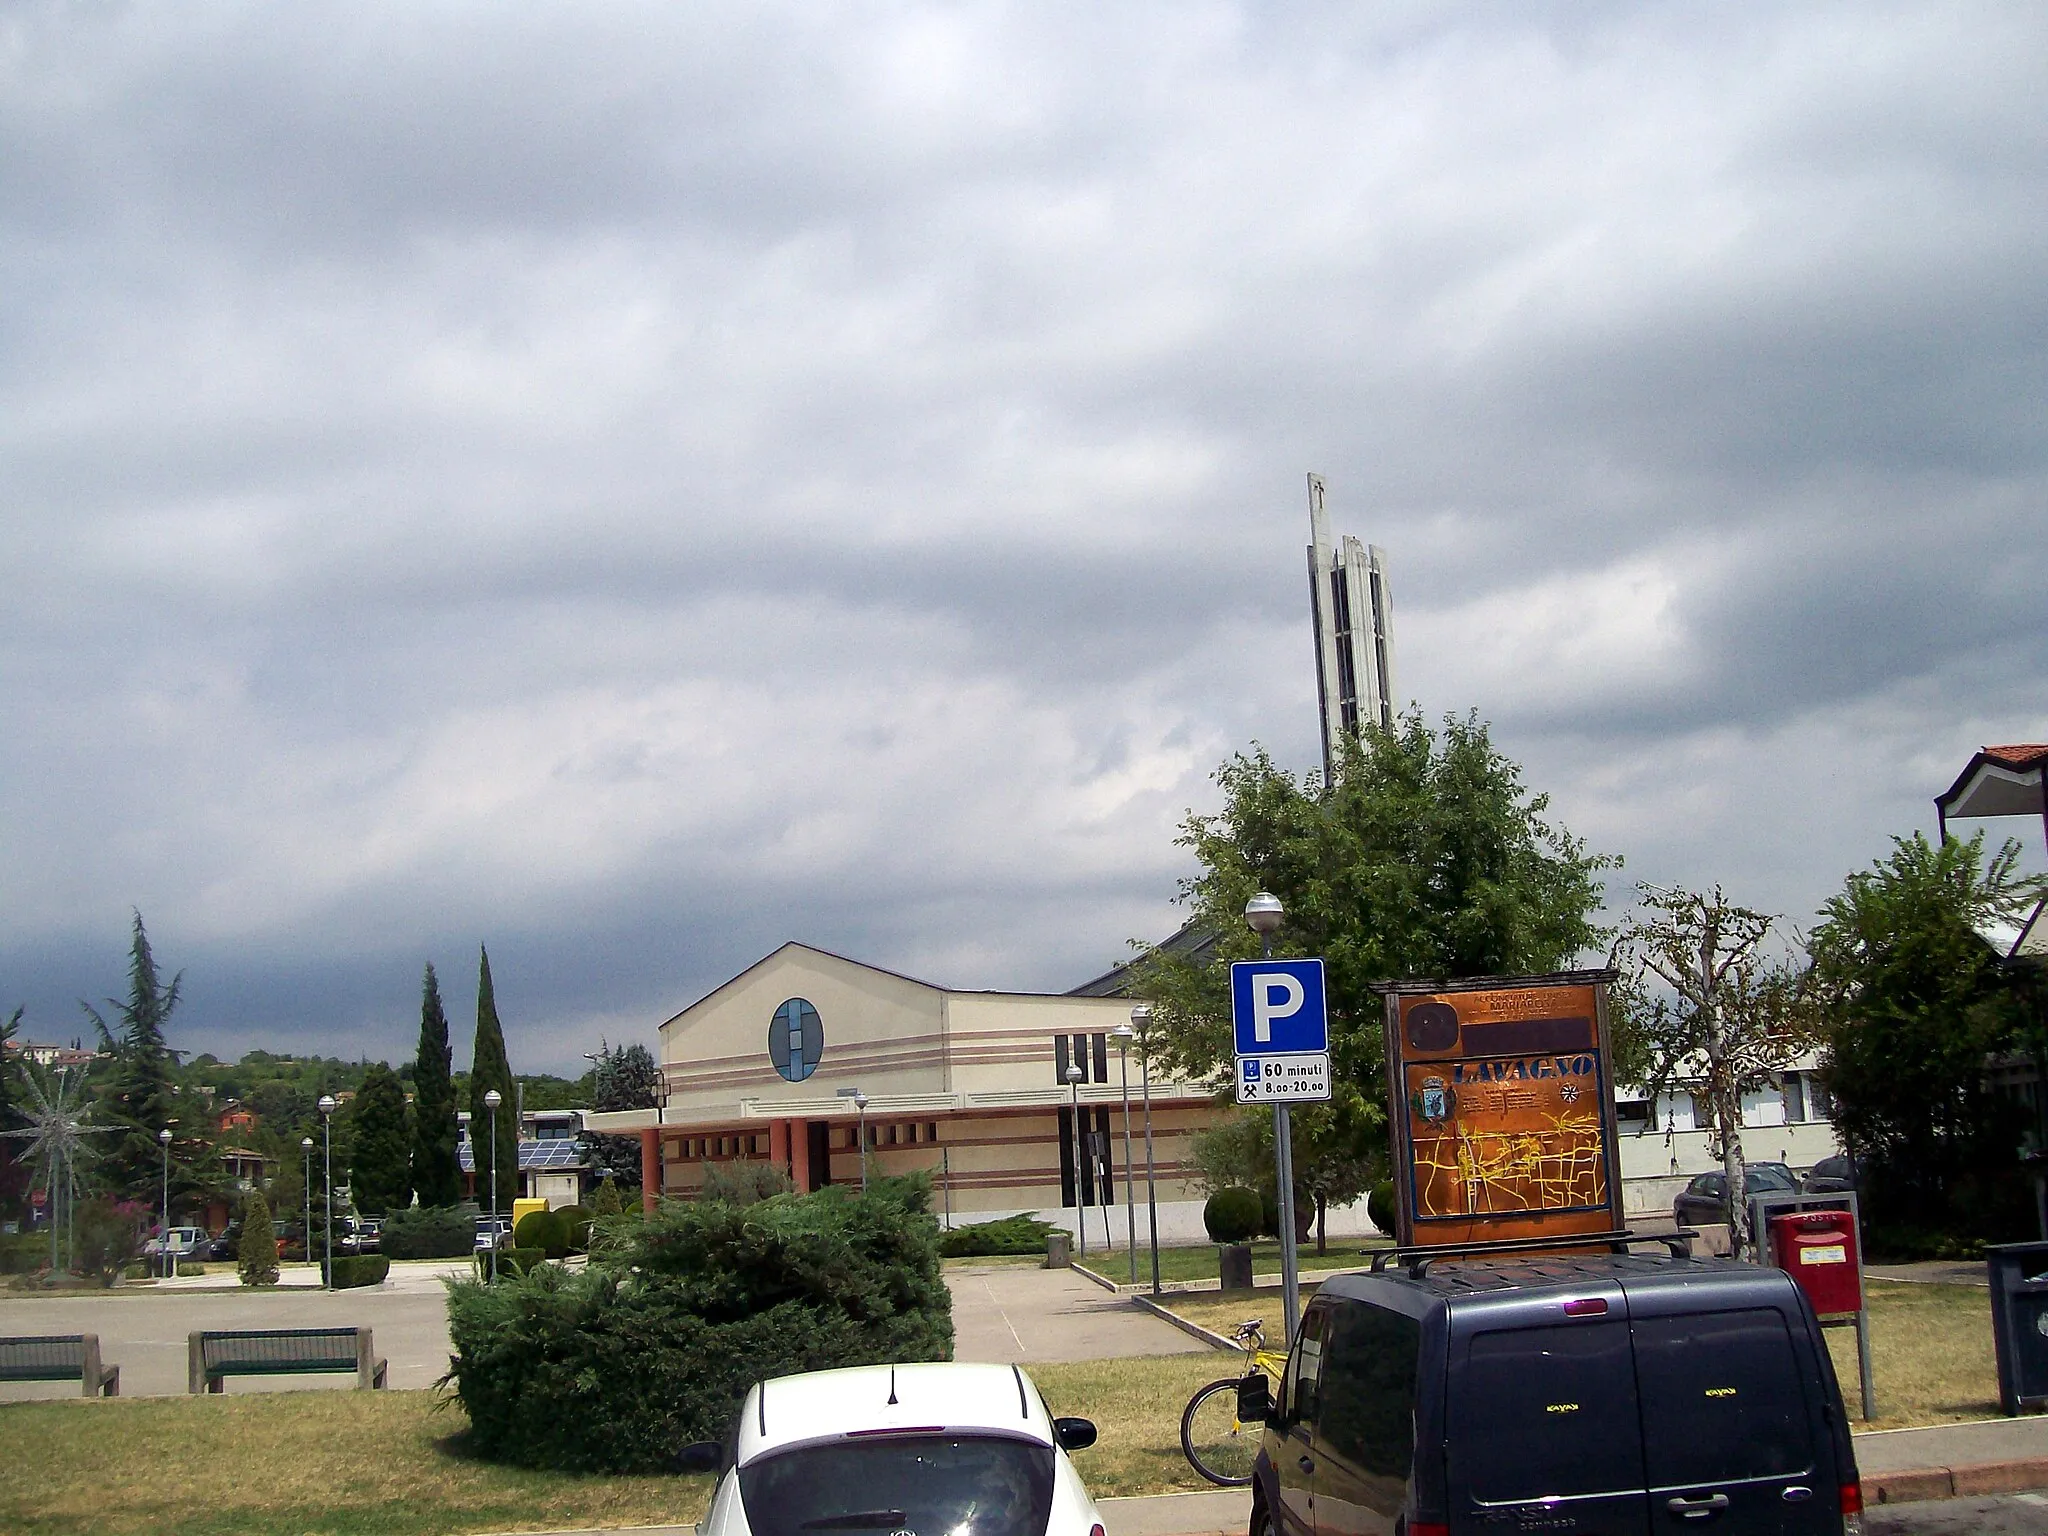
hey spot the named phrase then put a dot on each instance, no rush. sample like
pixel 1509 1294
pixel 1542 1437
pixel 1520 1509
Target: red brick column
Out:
pixel 650 1169
pixel 778 1144
pixel 799 1133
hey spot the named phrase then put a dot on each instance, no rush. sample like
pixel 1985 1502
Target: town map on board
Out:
pixel 1500 1137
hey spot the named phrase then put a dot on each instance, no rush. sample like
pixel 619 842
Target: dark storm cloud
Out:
pixel 637 486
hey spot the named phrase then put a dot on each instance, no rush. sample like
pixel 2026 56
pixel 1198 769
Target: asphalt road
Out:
pixel 2012 1514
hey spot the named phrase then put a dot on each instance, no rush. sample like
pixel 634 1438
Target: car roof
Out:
pixel 1477 1282
pixel 880 1399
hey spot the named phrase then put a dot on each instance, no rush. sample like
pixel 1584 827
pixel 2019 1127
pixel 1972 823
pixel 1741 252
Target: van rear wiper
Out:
pixel 865 1520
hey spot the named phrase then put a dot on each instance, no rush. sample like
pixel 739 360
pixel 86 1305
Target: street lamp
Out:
pixel 860 1102
pixel 1124 1035
pixel 1141 1016
pixel 492 1100
pixel 306 1145
pixel 170 1259
pixel 1262 914
pixel 1080 1199
pixel 327 1136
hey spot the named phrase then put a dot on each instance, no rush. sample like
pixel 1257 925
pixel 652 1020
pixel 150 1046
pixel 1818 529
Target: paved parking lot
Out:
pixel 999 1314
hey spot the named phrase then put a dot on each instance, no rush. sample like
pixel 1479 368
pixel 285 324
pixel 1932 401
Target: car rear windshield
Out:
pixel 902 1485
pixel 1548 1413
pixel 1766 1176
pixel 1722 1400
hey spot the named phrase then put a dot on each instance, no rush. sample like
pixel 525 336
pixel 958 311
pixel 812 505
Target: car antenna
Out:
pixel 892 1387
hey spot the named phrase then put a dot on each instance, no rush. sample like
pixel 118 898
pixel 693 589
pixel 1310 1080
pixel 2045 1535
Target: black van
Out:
pixel 1610 1395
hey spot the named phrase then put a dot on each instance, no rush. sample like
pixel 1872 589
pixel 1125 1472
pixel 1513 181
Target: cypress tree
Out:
pixel 256 1254
pixel 380 1175
pixel 436 1176
pixel 488 1069
pixel 137 1096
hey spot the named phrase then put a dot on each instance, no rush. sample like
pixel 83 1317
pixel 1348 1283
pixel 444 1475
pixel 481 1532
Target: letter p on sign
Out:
pixel 1273 997
pixel 1277 1007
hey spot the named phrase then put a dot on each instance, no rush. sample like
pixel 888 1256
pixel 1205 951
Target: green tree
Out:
pixel 1914 1004
pixel 1705 1008
pixel 489 1069
pixel 256 1252
pixel 436 1175
pixel 623 1077
pixel 1426 858
pixel 137 1093
pixel 379 1170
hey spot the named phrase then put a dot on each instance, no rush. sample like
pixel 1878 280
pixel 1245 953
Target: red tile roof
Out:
pixel 2024 754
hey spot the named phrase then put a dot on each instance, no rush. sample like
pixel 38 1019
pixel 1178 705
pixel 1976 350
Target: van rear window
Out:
pixel 1721 1398
pixel 1548 1413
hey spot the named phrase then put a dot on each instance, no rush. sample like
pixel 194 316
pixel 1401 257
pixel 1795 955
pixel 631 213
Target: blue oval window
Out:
pixel 796 1039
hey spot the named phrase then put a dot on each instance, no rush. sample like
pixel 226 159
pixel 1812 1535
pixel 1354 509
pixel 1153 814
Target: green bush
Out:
pixel 743 1182
pixel 577 1220
pixel 1232 1215
pixel 655 1343
pixel 1013 1234
pixel 350 1271
pixel 543 1230
pixel 606 1201
pixel 1379 1205
pixel 23 1253
pixel 512 1262
pixel 428 1232
pixel 256 1250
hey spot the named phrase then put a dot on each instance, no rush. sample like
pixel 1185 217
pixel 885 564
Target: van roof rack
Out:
pixel 1417 1260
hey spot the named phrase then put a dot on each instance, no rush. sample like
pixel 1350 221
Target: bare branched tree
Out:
pixel 1712 1014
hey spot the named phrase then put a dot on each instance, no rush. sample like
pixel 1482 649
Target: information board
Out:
pixel 1502 1108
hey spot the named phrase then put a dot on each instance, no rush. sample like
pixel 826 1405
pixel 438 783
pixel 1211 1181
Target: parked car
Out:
pixel 1832 1176
pixel 1705 1200
pixel 185 1243
pixel 491 1232
pixel 1613 1392
pixel 359 1234
pixel 929 1449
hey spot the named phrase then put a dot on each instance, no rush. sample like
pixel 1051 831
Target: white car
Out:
pixel 184 1240
pixel 898 1450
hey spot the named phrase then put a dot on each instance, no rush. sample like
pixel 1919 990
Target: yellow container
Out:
pixel 521 1207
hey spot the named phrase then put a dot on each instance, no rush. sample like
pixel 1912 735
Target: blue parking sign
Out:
pixel 1278 1007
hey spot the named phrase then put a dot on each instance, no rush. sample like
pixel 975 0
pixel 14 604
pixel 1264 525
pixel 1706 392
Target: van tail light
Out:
pixel 1587 1306
pixel 1096 1530
pixel 1852 1509
pixel 1427 1528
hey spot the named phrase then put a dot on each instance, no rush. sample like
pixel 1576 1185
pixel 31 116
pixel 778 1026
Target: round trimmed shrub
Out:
pixel 544 1230
pixel 577 1220
pixel 1379 1205
pixel 1232 1215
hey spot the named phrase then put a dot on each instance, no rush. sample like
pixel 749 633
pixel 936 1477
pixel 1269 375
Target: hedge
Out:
pixel 655 1343
pixel 1232 1215
pixel 1012 1234
pixel 428 1232
pixel 352 1270
pixel 544 1230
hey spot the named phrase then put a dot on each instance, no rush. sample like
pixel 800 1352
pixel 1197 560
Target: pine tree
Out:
pixel 137 1093
pixel 488 1069
pixel 256 1253
pixel 380 1174
pixel 436 1175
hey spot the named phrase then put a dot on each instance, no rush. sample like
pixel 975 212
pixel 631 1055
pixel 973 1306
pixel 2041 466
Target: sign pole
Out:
pixel 1283 1172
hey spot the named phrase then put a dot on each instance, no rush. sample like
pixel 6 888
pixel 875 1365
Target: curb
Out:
pixel 1986 1477
pixel 1196 1330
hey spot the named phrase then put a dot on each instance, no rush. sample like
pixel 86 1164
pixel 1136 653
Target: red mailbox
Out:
pixel 1819 1250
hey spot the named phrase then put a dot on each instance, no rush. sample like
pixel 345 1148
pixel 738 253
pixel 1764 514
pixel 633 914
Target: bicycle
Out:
pixel 1216 1443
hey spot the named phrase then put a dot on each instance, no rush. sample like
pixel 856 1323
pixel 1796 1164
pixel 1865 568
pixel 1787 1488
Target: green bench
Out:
pixel 60 1357
pixel 212 1357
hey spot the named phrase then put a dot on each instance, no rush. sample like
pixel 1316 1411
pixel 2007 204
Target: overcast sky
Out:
pixel 636 484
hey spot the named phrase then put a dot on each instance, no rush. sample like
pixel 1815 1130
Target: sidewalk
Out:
pixel 1944 1461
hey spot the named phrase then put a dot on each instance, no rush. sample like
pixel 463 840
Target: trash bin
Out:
pixel 1819 1250
pixel 2019 1322
pixel 1059 1250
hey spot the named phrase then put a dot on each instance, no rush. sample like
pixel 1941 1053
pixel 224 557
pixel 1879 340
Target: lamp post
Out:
pixel 860 1103
pixel 1262 914
pixel 163 1139
pixel 1141 1016
pixel 1124 1036
pixel 327 1138
pixel 492 1100
pixel 1080 1199
pixel 306 1146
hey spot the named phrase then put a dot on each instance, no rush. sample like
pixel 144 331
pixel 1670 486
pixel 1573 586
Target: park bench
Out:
pixel 212 1357
pixel 60 1357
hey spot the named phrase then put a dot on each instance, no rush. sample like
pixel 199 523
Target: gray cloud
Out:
pixel 636 486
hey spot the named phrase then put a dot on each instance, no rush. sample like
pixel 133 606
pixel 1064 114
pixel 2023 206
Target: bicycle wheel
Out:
pixel 1216 1445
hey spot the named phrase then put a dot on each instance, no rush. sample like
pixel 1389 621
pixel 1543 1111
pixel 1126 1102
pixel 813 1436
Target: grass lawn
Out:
pixel 1930 1347
pixel 342 1463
